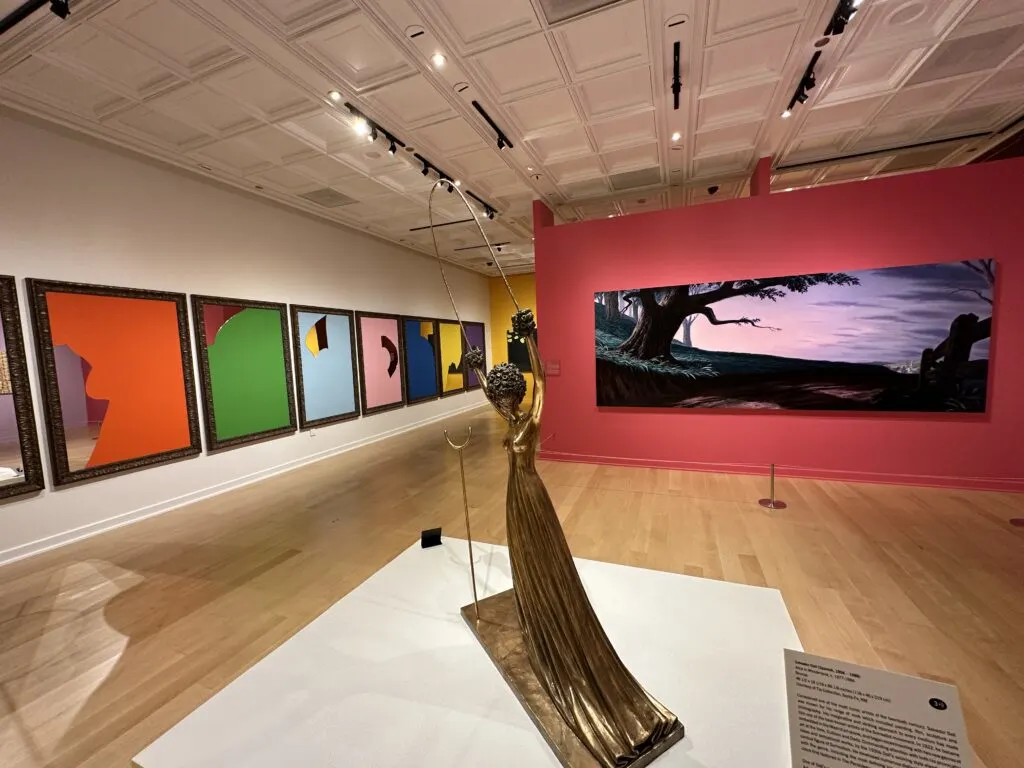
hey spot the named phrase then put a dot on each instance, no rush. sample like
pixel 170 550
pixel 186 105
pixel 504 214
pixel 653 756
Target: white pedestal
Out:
pixel 391 677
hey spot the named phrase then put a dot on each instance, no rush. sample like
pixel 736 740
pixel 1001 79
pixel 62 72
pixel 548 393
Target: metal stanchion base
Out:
pixel 772 504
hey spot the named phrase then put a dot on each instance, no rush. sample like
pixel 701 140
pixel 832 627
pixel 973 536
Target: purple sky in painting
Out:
pixel 892 316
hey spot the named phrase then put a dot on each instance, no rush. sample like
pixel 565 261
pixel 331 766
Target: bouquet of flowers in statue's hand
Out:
pixel 523 324
pixel 475 358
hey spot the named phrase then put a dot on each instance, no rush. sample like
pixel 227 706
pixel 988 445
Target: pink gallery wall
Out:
pixel 968 212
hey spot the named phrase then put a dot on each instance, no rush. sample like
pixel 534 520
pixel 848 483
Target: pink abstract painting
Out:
pixel 380 353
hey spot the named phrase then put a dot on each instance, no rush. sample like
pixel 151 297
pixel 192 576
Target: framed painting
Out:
pixel 118 386
pixel 450 342
pixel 901 338
pixel 381 374
pixel 422 359
pixel 21 469
pixel 476 336
pixel 324 342
pixel 245 370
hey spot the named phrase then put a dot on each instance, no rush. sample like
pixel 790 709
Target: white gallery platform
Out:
pixel 391 676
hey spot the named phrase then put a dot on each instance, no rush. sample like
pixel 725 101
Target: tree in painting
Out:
pixel 824 341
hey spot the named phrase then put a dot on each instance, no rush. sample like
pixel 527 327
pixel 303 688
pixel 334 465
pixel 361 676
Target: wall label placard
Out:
pixel 844 715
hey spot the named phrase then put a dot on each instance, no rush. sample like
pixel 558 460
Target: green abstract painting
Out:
pixel 246 370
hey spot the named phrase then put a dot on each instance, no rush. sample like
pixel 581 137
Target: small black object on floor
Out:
pixel 430 538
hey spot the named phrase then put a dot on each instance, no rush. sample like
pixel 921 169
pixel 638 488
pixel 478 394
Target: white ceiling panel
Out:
pixel 730 139
pixel 543 112
pixel 452 137
pixel 327 131
pixel 480 162
pixel 720 165
pixel 520 68
pixel 931 98
pixel 60 88
pixel 479 24
pixel 748 61
pixel 562 146
pixel 166 31
pixel 852 115
pixel 604 42
pixel 325 170
pixel 572 171
pixel 153 126
pixel 871 75
pixel 205 109
pixel 412 102
pixel 741 106
pixel 625 131
pixel 622 160
pixel 818 147
pixel 286 180
pixel 264 92
pixel 902 24
pixel 107 60
pixel 293 15
pixel 736 18
pixel 613 95
pixel 358 52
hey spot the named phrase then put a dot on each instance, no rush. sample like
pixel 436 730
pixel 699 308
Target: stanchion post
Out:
pixel 465 506
pixel 771 502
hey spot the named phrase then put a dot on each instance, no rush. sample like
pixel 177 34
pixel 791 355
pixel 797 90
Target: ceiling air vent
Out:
pixel 328 198
pixel 561 10
pixel 634 179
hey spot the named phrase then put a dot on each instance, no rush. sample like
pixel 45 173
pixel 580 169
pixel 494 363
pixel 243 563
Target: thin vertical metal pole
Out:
pixel 772 502
pixel 465 506
pixel 469 536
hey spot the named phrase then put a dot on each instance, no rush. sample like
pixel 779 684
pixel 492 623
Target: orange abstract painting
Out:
pixel 119 367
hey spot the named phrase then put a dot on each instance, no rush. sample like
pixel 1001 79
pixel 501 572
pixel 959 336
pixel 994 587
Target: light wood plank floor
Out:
pixel 107 643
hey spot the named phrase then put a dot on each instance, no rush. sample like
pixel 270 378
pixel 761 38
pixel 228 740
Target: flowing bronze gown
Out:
pixel 599 699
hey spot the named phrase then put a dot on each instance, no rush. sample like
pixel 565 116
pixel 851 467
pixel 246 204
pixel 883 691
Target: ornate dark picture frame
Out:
pixel 465 348
pixel 62 473
pixel 367 410
pixel 297 341
pixel 24 413
pixel 405 361
pixel 462 345
pixel 199 303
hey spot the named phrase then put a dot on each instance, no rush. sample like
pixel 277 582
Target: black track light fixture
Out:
pixel 19 14
pixel 392 148
pixel 503 142
pixel 807 83
pixel 843 15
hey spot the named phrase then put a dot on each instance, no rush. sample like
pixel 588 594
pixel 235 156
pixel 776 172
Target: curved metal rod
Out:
pixel 437 251
pixel 469 435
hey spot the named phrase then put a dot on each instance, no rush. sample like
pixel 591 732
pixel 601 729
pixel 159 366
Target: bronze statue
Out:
pixel 601 701
pixel 589 687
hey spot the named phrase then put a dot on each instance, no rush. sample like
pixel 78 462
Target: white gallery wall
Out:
pixel 72 210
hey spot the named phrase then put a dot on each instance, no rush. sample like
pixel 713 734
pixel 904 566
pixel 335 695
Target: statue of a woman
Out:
pixel 599 699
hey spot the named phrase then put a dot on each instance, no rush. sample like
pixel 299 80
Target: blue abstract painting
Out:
pixel 421 358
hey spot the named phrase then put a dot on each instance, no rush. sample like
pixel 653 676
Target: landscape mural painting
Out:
pixel 911 338
pixel 116 368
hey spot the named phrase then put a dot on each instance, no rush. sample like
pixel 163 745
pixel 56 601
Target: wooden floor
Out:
pixel 107 643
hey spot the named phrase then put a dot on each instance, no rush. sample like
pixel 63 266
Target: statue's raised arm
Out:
pixel 525 327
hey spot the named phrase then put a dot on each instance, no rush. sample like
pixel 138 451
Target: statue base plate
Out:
pixel 499 633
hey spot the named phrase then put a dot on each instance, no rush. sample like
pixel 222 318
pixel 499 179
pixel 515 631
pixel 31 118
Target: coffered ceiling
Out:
pixel 238 90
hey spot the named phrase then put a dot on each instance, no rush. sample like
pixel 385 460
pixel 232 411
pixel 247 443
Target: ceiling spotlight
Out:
pixel 373 135
pixel 490 214
pixel 611 215
pixel 438 60
pixel 501 143
pixel 856 3
pixel 426 169
pixel 529 167
pixel 458 183
pixel 788 189
pixel 360 126
pixel 334 96
pixel 677 136
pixel 786 114
pixel 392 148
